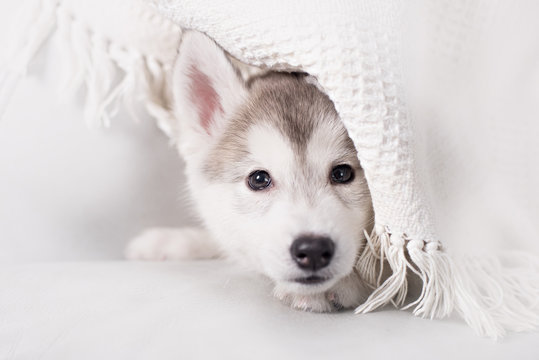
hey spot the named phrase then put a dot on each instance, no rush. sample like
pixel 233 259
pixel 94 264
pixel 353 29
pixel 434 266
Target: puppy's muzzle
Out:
pixel 312 252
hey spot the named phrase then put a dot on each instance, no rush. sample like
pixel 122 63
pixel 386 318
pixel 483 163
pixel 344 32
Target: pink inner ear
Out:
pixel 205 98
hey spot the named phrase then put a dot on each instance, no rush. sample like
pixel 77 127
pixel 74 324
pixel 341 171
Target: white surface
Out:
pixel 206 310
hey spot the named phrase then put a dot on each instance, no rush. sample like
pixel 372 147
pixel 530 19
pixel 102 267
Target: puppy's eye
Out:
pixel 342 174
pixel 259 180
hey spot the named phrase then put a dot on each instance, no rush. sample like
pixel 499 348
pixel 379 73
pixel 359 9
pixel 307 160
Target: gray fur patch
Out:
pixel 284 101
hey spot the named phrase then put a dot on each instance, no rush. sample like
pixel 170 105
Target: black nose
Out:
pixel 312 252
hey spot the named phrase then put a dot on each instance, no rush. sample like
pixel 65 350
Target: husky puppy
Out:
pixel 274 177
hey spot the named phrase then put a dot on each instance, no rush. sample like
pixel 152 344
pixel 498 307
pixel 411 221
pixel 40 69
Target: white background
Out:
pixel 68 192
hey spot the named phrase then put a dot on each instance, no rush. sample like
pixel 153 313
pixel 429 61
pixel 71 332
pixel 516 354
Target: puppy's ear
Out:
pixel 206 88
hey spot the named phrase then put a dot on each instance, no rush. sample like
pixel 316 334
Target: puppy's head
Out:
pixel 271 169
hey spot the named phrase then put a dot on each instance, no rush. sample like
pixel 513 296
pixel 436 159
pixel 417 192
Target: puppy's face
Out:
pixel 271 168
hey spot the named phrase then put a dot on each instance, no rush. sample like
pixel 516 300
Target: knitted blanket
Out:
pixel 123 51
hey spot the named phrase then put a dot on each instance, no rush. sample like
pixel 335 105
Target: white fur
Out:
pixel 200 51
pixel 172 244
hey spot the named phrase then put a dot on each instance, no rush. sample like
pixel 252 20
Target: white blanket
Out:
pixel 356 51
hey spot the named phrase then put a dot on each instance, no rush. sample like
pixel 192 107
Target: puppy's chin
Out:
pixel 307 285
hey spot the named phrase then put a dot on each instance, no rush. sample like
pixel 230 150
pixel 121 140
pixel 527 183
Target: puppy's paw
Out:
pixel 312 302
pixel 349 292
pixel 171 244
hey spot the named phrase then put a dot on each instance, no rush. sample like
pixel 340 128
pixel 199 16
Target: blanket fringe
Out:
pixel 111 74
pixel 38 25
pixel 492 294
pixel 498 294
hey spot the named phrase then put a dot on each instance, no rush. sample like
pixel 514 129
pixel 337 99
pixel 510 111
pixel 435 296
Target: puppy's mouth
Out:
pixel 311 280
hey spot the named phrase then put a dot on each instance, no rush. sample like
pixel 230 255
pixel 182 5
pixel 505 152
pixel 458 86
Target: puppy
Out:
pixel 274 177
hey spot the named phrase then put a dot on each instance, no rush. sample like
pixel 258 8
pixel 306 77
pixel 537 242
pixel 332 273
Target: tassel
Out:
pixel 41 21
pixel 111 73
pixel 490 296
pixel 395 287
